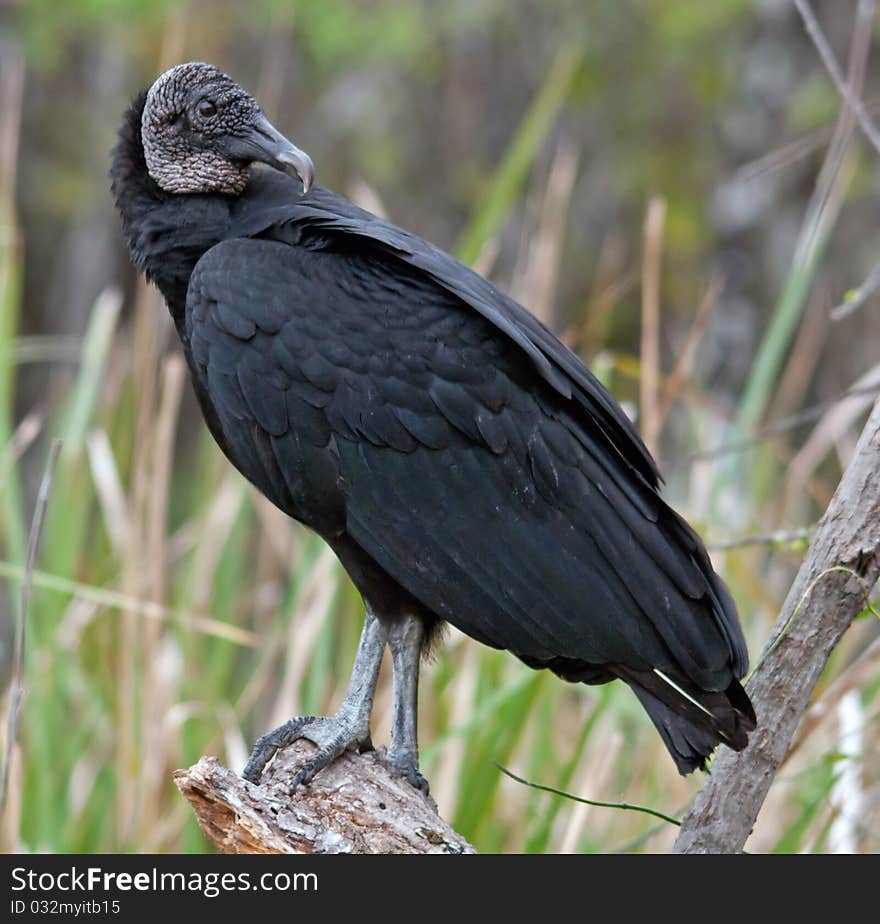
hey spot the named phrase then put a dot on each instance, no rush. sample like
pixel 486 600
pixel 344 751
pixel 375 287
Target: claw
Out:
pixel 406 765
pixel 333 736
pixel 271 743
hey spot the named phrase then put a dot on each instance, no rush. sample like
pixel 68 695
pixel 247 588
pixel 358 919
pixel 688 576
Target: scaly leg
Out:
pixel 406 637
pixel 347 730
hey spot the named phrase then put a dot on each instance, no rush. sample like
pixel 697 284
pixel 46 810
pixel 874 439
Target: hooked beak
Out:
pixel 265 144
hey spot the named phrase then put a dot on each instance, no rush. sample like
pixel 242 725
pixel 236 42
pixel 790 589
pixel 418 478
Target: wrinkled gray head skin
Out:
pixel 201 131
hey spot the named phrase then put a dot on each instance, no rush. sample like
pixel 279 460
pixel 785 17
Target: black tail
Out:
pixel 693 722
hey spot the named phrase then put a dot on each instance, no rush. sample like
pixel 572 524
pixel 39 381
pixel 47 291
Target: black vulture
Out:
pixel 463 464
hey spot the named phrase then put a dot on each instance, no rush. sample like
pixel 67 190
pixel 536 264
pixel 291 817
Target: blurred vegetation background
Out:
pixel 673 186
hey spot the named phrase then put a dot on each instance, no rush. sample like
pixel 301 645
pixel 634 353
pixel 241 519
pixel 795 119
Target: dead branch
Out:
pixel 831 589
pixel 864 25
pixel 356 805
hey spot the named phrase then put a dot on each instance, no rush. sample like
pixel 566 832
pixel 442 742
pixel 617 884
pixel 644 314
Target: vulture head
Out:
pixel 201 132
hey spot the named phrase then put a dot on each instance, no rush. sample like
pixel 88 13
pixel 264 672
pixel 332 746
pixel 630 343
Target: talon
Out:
pixel 333 736
pixel 421 784
pixel 302 778
pixel 407 766
pixel 271 743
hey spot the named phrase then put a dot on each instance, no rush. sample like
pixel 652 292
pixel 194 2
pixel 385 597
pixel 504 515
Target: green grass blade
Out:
pixel 789 309
pixel 14 530
pixel 504 188
pixel 93 359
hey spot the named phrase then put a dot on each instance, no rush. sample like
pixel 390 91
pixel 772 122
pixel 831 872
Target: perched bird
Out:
pixel 463 464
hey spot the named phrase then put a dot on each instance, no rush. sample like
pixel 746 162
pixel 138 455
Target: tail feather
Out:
pixel 693 722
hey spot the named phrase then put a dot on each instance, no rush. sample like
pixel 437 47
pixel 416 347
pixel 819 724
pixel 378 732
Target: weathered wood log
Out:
pixel 356 805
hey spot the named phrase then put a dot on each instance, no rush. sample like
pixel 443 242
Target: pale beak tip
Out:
pixel 308 175
pixel 302 166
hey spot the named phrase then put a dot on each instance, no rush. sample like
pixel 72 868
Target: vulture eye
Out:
pixel 207 109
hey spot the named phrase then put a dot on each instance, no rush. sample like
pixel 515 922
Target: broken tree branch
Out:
pixel 356 805
pixel 831 589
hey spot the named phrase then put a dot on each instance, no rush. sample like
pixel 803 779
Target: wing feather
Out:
pixel 492 495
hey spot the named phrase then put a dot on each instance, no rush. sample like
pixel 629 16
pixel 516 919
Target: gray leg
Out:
pixel 406 637
pixel 347 730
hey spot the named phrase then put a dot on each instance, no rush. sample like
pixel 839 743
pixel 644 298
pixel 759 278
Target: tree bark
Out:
pixel 356 805
pixel 831 588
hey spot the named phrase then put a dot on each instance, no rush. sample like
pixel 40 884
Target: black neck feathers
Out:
pixel 166 233
pixel 133 188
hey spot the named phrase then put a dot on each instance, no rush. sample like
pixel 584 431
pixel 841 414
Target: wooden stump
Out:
pixel 356 805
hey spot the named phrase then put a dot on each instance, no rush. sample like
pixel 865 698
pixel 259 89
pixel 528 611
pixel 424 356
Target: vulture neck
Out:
pixel 166 233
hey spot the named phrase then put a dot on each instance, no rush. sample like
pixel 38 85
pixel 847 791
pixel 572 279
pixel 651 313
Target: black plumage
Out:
pixel 464 464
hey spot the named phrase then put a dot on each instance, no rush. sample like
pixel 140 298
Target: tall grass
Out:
pixel 175 613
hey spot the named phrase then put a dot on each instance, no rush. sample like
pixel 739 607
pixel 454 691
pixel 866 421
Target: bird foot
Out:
pixel 406 764
pixel 334 735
